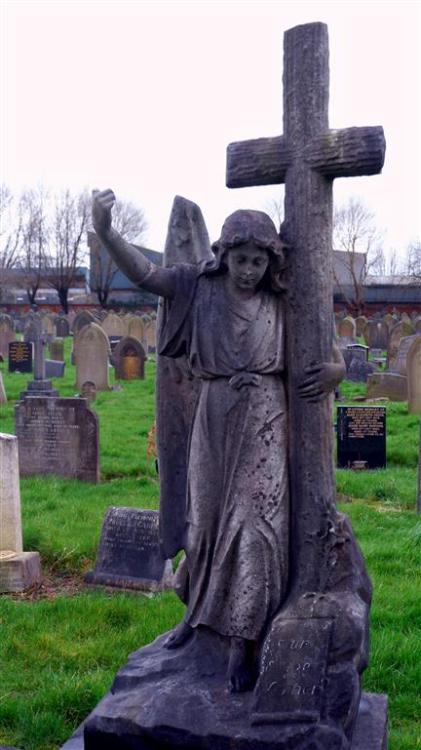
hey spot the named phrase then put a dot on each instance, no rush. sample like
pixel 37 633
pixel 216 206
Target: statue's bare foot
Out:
pixel 179 635
pixel 240 672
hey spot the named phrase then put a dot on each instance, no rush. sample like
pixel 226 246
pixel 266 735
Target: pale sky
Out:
pixel 145 97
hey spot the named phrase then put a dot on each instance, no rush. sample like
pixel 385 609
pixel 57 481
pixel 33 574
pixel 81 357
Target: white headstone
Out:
pixel 18 570
pixel 10 520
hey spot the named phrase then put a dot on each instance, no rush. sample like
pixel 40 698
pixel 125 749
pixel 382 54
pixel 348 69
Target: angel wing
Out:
pixel 176 393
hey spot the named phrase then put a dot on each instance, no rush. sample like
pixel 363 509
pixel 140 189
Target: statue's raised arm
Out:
pixel 127 257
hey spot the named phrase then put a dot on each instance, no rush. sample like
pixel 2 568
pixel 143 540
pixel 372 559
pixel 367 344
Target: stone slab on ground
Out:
pixel 155 704
pixel 20 573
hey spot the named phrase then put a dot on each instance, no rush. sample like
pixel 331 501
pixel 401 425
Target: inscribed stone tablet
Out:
pixel 291 685
pixel 361 437
pixel 129 555
pixel 57 436
pixel 20 356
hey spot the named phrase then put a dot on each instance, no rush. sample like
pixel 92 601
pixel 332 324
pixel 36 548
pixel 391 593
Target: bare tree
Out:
pixel 71 216
pixel 275 208
pixel 357 242
pixel 131 223
pixel 413 261
pixel 34 237
pixel 10 234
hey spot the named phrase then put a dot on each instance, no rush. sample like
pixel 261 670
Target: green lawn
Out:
pixel 59 653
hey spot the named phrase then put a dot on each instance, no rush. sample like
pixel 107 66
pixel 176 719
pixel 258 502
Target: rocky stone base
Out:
pixel 162 700
pixel 20 573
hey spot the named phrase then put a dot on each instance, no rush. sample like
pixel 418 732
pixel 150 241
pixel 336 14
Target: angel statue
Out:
pixel 223 317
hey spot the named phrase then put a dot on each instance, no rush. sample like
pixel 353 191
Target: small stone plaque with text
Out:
pixel 291 685
pixel 129 555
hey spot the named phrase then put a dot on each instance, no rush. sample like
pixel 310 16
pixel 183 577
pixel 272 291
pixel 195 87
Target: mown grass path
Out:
pixel 61 647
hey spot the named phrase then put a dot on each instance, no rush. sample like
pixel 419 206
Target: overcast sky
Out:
pixel 144 98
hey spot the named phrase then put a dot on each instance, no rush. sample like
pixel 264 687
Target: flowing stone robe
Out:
pixel 235 573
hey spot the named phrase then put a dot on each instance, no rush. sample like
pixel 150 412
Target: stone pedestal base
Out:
pixel 21 572
pixel 160 701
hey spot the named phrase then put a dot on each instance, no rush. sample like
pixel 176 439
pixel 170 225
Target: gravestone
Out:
pixel 92 351
pixel 3 397
pixel 56 349
pixel 400 363
pixel 40 385
pixel 129 555
pixel 62 327
pixel 113 325
pixel 150 334
pixel 20 356
pixel 414 376
pixel 361 437
pixel 347 328
pixel 327 573
pixel 7 333
pixel 417 325
pixel 88 391
pixel 54 368
pixel 19 570
pixel 129 359
pixel 82 319
pixel 360 323
pixel 389 385
pixel 376 334
pixel 136 328
pixel 398 332
pixel 57 436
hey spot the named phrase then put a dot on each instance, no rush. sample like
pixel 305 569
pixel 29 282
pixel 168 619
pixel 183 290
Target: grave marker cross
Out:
pixel 307 157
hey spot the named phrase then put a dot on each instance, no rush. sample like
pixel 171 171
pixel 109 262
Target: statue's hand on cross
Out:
pixel 102 203
pixel 320 380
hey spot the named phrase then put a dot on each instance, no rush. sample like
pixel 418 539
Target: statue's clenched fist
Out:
pixel 102 203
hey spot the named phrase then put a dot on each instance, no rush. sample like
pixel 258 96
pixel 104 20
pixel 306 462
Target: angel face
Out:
pixel 247 264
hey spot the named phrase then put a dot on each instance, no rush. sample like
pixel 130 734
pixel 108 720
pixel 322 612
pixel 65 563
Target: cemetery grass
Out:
pixel 61 646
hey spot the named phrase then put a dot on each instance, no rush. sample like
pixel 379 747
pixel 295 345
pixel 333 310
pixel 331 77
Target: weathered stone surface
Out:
pixel 113 325
pixel 347 328
pixel 20 573
pixel 129 359
pixel 387 385
pixel 92 351
pixel 414 376
pixel 57 436
pixel 129 555
pixel 397 333
pixel 20 356
pixel 359 370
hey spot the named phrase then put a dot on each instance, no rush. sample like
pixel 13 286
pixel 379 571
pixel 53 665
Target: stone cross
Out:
pixel 307 157
pixel 40 342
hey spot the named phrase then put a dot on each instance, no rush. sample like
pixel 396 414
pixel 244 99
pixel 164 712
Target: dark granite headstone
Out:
pixel 361 437
pixel 129 555
pixel 292 678
pixel 62 327
pixel 57 436
pixel 54 368
pixel 20 356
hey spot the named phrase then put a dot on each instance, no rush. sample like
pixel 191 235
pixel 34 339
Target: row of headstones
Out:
pixel 379 332
pixel 140 325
